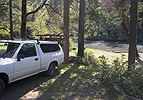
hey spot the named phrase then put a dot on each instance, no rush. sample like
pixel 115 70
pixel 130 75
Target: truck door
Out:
pixel 28 61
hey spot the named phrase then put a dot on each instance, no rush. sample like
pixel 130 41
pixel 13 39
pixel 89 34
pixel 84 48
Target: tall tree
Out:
pixel 66 31
pixel 81 29
pixel 11 25
pixel 133 32
pixel 24 16
pixel 123 8
pixel 23 22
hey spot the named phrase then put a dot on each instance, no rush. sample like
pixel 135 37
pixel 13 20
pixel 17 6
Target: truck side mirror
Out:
pixel 20 56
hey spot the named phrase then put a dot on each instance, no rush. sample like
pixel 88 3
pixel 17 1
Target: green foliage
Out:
pixel 131 81
pixel 3 9
pixel 2 48
pixel 101 21
pixel 116 72
pixel 111 73
pixel 87 59
pixel 4 34
pixel 46 20
pixel 102 24
pixel 70 45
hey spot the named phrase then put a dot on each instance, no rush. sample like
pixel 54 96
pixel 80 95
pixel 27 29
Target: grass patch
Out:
pixel 110 55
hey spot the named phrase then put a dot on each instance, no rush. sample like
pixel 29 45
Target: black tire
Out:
pixel 51 69
pixel 2 86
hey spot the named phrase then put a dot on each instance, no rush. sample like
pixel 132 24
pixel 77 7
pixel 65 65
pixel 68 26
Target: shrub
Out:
pixel 131 81
pixel 87 59
pixel 117 72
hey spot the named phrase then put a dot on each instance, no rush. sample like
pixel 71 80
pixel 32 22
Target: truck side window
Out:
pixel 55 47
pixel 46 48
pixel 49 48
pixel 28 50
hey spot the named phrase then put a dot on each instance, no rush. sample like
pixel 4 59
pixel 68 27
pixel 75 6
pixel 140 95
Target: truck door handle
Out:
pixel 36 59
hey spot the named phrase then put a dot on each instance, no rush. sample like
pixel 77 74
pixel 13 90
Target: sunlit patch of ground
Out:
pixel 119 47
pixel 74 82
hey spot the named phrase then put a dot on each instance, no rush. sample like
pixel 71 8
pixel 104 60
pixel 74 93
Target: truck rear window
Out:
pixel 46 48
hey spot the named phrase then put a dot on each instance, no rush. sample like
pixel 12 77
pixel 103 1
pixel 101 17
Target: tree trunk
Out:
pixel 66 32
pixel 23 20
pixel 123 23
pixel 11 25
pixel 133 34
pixel 81 29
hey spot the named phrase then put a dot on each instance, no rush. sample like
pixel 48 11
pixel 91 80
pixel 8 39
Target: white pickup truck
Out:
pixel 22 59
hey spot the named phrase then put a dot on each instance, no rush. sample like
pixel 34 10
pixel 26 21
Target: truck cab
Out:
pixel 21 59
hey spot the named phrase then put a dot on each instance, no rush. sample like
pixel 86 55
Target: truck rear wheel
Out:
pixel 51 69
pixel 2 86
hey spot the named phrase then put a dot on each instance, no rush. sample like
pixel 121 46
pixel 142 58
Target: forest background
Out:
pixel 102 20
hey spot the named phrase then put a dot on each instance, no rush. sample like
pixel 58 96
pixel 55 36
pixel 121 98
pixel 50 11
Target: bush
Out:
pixel 131 81
pixel 117 72
pixel 87 59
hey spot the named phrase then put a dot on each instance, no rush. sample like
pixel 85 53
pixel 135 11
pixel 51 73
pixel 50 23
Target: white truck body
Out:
pixel 18 68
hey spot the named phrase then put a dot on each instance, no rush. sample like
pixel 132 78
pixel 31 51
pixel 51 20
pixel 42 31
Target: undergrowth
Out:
pixel 117 72
pixel 87 59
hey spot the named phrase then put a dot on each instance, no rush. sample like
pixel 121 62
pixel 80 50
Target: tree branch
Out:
pixel 54 10
pixel 37 9
pixel 48 11
pixel 123 24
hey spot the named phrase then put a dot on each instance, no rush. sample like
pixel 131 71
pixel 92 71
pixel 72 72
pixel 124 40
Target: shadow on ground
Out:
pixel 71 82
pixel 75 82
pixel 18 89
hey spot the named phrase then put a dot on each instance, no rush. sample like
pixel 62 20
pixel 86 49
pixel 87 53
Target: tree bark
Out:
pixel 81 29
pixel 123 24
pixel 11 24
pixel 66 32
pixel 23 22
pixel 133 34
